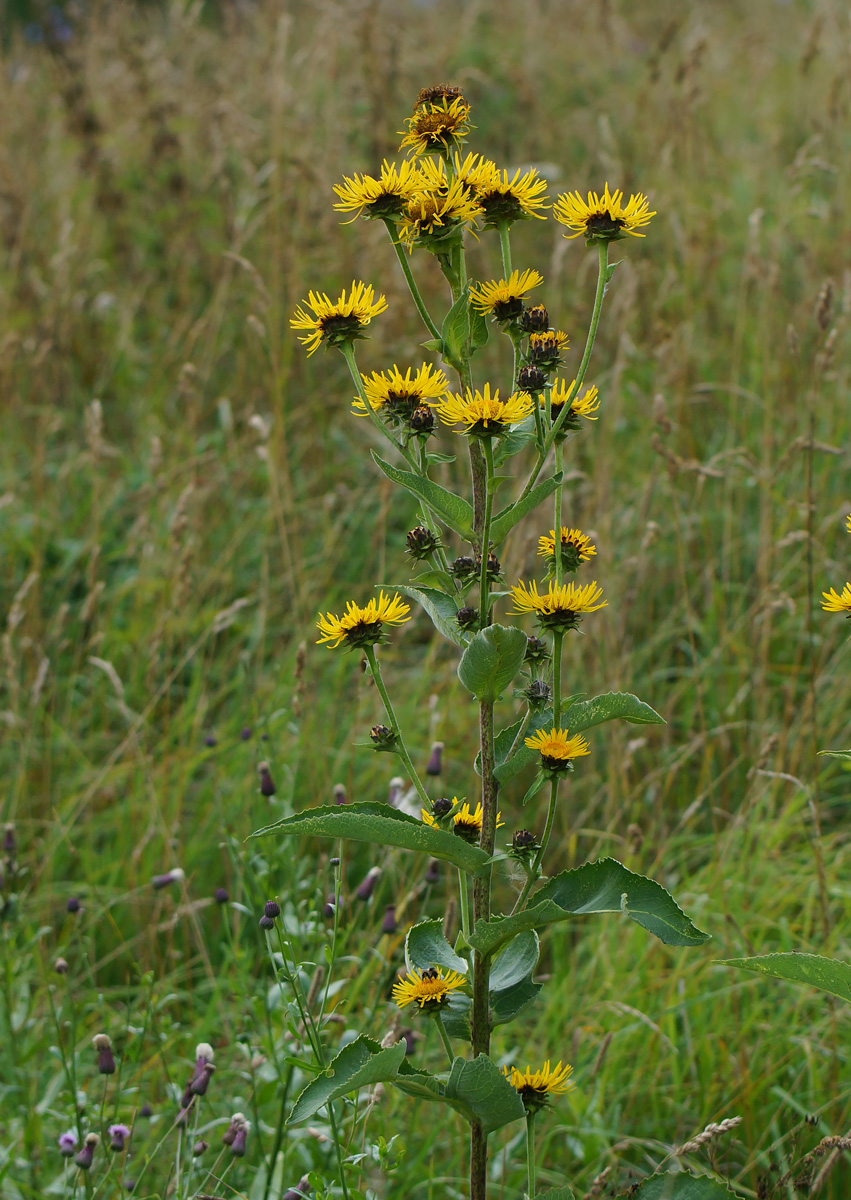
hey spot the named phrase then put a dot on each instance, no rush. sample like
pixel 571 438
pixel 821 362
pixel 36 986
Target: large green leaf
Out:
pixel 510 1002
pixel 362 1063
pixel 441 608
pixel 623 705
pixel 597 887
pixel 425 946
pixel 506 768
pixel 382 826
pixel 517 960
pixel 505 521
pixel 453 510
pixel 479 332
pixel 492 659
pixel 481 1086
pixel 682 1186
pixel 828 974
pixel 455 333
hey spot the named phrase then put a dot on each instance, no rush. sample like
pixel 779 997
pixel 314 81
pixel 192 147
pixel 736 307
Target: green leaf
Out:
pixel 381 825
pixel 627 707
pixel 456 1017
pixel 682 1186
pixel 597 887
pixel 360 1064
pixel 610 271
pixel 483 1089
pixel 453 510
pixel 425 946
pixel 433 344
pixel 505 521
pixel 507 768
pixel 436 456
pixel 435 578
pixel 510 1002
pixel 828 974
pixel 423 1086
pixel 560 1193
pixel 479 331
pixel 440 608
pixel 456 331
pixel 490 662
pixel 517 960
pixel 837 753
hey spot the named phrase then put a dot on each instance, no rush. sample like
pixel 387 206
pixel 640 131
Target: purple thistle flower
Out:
pixel 339 794
pixel 389 924
pixel 86 1156
pixel 106 1059
pixel 204 1068
pixel 72 905
pixel 163 881
pixel 267 783
pixel 367 887
pixel 68 1143
pixel 300 1191
pixel 245 733
pixel 221 895
pixel 435 763
pixel 118 1135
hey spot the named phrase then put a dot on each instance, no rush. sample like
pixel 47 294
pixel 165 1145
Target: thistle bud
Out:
pixel 118 1135
pixel 204 1068
pixel 236 1135
pixel 367 887
pixel 339 794
pixel 106 1060
pixel 464 567
pixel 267 784
pixel 422 421
pixel 467 617
pixel 146 1111
pixel 389 924
pixel 531 379
pixel 270 909
pixel 382 737
pixel 9 841
pixel 68 1143
pixel 199 1148
pixel 210 740
pixel 221 895
pixel 86 1156
pixel 301 1191
pixel 330 908
pixel 245 733
pixel 266 922
pixel 162 881
pixel 61 966
pixel 435 762
pixel 538 693
pixel 537 650
pixel 422 542
pixel 72 905
pixel 535 319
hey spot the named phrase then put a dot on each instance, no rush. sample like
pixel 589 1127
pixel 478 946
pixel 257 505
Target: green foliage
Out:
pixel 682 1186
pixel 425 946
pixel 453 510
pixel 490 662
pixel 440 608
pixel 828 974
pixel 362 1063
pixel 505 521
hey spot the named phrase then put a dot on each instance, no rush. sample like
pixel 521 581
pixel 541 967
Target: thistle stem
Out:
pixel 401 749
pixel 412 283
pixel 530 1154
pixel 348 353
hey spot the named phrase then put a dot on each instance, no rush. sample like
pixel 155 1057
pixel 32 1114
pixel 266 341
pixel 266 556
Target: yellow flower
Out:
pixel 560 607
pixel 429 988
pixel 362 626
pixel 557 749
pixel 437 127
pixel 509 200
pixel 467 822
pixel 387 196
pixel 848 524
pixel 833 602
pixel 483 414
pixel 397 396
pixel 605 217
pixel 576 548
pixel 503 298
pixel 536 1087
pixel 438 213
pixel 336 322
pixel 585 405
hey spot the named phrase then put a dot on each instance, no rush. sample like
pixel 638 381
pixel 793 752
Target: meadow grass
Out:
pixel 182 491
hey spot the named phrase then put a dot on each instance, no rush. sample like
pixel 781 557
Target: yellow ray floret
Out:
pixel 436 127
pixel 557 747
pixel 548 1081
pixel 427 988
pixel 834 602
pixel 603 216
pixel 362 626
pixel 585 405
pixel 567 598
pixel 386 196
pixel 580 542
pixel 511 199
pixel 485 414
pixel 848 524
pixel 491 297
pixel 399 391
pixel 465 819
pixel 336 321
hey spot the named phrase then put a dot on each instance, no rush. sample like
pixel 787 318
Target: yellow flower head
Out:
pixel 576 548
pixel 508 200
pixel 536 1087
pixel 834 602
pixel 483 414
pixel 559 607
pixel 467 822
pixel 336 322
pixel 585 405
pixel 603 218
pixel 437 214
pixel 545 348
pixel 429 988
pixel 848 524
pixel 397 397
pixel 360 627
pixel 503 298
pixel 387 196
pixel 557 749
pixel 437 127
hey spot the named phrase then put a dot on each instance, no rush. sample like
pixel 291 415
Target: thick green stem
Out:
pixel 401 749
pixel 348 353
pixel 412 283
pixel 478 1162
pixel 444 1037
pixel 557 531
pixel 464 890
pixel 428 515
pixel 558 639
pixel 530 1154
pixel 504 230
pixel 484 588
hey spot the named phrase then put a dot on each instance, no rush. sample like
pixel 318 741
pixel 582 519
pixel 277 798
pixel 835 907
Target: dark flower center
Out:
pixel 603 223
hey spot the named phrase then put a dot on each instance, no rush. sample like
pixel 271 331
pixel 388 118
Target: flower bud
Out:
pixel 524 842
pixel 9 842
pixel 270 909
pixel 245 733
pixel 531 379
pixel 537 650
pixel 163 881
pixel 61 966
pixel 301 1191
pixel 118 1135
pixel 267 784
pixel 538 693
pixel 210 740
pixel 535 319
pixel 494 567
pixel 86 1156
pixel 106 1060
pixel 72 905
pixel 330 908
pixel 441 807
pixel 68 1143
pixel 389 924
pixel 422 421
pixel 199 1148
pixel 221 895
pixel 339 794
pixel 367 887
pixel 467 617
pixel 435 763
pixel 464 567
pixel 266 922
pixel 146 1111
pixel 236 1134
pixel 382 737
pixel 422 542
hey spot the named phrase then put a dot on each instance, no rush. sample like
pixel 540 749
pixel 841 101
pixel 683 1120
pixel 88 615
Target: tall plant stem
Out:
pixel 401 749
pixel 412 283
pixel 428 515
pixel 602 272
pixel 464 890
pixel 484 590
pixel 444 1037
pixel 348 353
pixel 557 534
pixel 530 1154
pixel 558 639
pixel 505 246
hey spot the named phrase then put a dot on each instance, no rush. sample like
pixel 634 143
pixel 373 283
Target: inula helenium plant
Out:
pixel 508 635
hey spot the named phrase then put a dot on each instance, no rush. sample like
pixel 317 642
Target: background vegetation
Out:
pixel 182 490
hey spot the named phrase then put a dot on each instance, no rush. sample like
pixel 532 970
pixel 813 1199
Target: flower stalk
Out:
pixel 401 748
